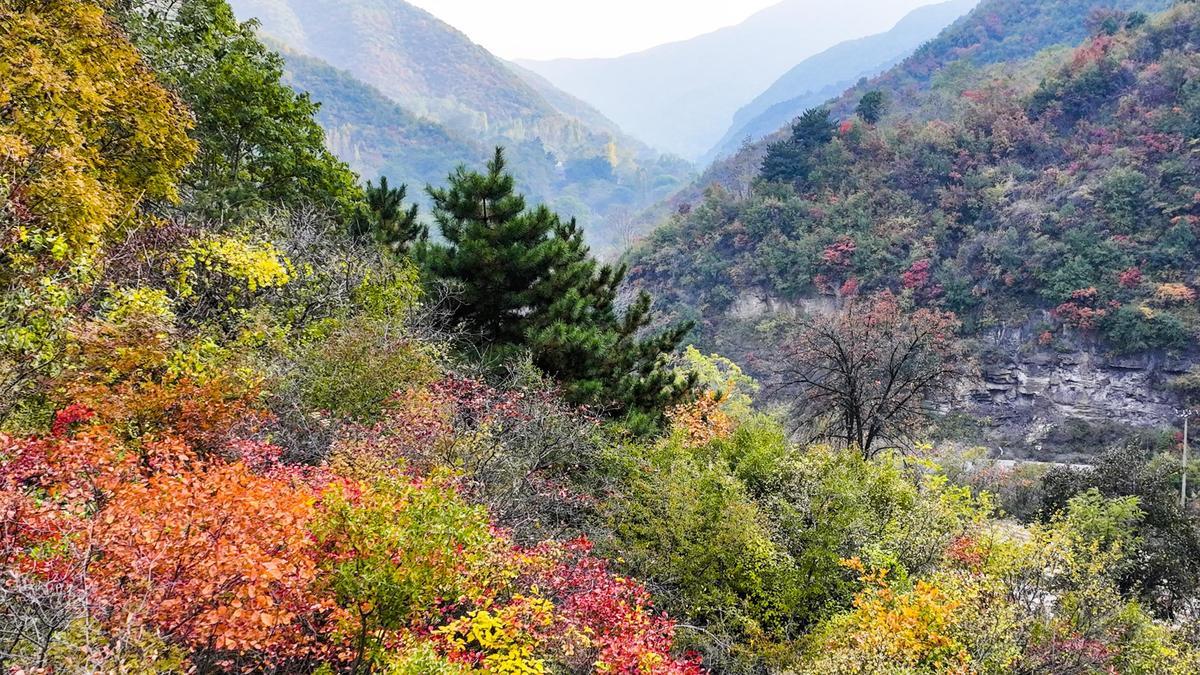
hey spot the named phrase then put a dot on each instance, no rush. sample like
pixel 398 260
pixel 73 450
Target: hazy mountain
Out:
pixel 680 97
pixel 821 77
pixel 408 96
pixel 375 135
pixel 435 71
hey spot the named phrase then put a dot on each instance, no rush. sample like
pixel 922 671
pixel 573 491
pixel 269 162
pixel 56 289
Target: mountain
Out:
pixel 407 95
pixel 1051 201
pixel 372 133
pixel 680 97
pixel 427 66
pixel 569 105
pixel 824 76
pixel 997 34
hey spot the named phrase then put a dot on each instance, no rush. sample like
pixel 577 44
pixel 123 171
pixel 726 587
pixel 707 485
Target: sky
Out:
pixel 587 28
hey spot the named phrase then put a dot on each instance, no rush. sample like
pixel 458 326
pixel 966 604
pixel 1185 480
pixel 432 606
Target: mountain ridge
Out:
pixel 709 77
pixel 825 75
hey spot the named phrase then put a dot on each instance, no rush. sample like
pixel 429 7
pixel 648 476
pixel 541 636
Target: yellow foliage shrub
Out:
pixel 86 131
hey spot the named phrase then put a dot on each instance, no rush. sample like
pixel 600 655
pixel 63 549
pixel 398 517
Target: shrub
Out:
pixel 1138 329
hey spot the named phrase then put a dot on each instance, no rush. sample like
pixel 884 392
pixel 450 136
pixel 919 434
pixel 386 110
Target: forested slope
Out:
pixel 375 135
pixel 1050 205
pixel 1026 196
pixel 994 35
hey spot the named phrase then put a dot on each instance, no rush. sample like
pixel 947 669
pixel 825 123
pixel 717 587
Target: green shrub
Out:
pixel 1135 329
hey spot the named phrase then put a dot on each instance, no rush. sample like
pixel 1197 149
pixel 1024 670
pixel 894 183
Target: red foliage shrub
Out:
pixel 215 558
pixel 215 552
pixel 1084 310
pixel 840 252
pixel 918 275
pixel 1130 278
pixel 616 613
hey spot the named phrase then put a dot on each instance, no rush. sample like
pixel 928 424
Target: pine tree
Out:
pixel 790 161
pixel 385 218
pixel 814 128
pixel 496 252
pixel 872 106
pixel 527 280
pixel 596 351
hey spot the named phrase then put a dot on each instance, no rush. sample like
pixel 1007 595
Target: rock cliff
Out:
pixel 1041 401
pixel 1062 399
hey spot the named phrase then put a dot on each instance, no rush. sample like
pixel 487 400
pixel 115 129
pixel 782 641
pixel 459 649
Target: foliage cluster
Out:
pixel 788 558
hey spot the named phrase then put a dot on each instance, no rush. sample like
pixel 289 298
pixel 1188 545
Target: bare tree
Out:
pixel 866 375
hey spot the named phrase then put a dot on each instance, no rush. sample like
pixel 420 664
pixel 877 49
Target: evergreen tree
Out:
pixel 597 352
pixel 872 106
pixel 790 161
pixel 527 280
pixel 496 251
pixel 814 128
pixel 385 218
pixel 785 162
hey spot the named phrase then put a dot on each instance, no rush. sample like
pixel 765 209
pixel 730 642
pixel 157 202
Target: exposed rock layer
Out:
pixel 1061 401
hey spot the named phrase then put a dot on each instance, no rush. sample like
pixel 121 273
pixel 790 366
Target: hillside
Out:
pixel 1055 211
pixel 996 32
pixel 823 76
pixel 680 97
pixel 372 133
pixel 996 36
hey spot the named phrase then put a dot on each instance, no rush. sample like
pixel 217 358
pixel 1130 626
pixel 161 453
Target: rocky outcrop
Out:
pixel 1058 400
pixel 1026 391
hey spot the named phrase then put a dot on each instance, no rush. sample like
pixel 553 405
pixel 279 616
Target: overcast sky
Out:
pixel 545 29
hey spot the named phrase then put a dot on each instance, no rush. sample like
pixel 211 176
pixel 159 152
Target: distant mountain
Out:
pixel 408 96
pixel 680 97
pixel 428 67
pixel 824 76
pixel 373 134
pixel 570 105
pixel 996 33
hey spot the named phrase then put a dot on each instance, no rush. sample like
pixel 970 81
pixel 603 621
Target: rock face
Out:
pixel 1064 401
pixel 1026 392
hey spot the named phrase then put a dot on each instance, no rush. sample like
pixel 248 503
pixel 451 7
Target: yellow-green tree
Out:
pixel 86 135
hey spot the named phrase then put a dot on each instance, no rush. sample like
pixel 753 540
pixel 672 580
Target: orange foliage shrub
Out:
pixel 215 558
pixel 1174 294
pixel 245 562
pixel 702 421
pixel 122 371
